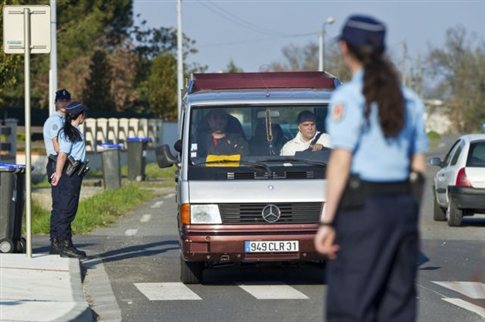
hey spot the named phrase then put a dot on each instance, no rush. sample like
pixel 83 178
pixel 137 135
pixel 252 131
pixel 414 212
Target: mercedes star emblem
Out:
pixel 271 213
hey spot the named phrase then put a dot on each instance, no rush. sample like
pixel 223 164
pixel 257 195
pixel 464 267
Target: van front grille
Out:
pixel 251 213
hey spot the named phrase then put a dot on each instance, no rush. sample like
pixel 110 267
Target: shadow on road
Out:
pixel 140 250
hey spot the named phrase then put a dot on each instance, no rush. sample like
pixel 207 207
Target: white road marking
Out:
pixel 167 291
pixel 473 290
pixel 131 232
pixel 467 306
pixel 273 292
pixel 170 195
pixel 145 218
pixel 157 204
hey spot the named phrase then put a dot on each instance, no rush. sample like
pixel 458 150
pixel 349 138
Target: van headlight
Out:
pixel 205 214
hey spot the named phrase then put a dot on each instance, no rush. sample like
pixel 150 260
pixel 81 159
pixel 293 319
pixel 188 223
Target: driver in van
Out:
pixel 219 141
pixel 307 138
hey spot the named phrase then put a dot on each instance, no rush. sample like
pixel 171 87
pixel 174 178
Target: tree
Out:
pixel 162 86
pixel 306 59
pixel 98 85
pixel 459 70
pixel 232 68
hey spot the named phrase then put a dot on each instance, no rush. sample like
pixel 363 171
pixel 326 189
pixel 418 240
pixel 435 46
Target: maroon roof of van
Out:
pixel 268 80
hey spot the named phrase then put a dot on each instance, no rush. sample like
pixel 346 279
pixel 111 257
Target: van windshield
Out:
pixel 242 136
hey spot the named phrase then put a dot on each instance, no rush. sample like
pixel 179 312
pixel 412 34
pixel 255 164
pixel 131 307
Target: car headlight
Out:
pixel 205 214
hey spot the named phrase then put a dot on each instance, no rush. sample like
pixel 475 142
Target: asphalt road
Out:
pixel 133 275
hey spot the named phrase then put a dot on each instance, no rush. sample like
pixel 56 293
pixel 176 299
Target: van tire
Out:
pixel 455 215
pixel 191 272
pixel 439 213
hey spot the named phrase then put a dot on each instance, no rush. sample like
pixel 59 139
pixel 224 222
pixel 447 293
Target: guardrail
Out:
pixel 96 131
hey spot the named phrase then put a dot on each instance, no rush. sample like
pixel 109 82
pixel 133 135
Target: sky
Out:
pixel 252 33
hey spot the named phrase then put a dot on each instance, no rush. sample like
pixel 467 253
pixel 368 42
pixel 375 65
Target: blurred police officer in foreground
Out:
pixel 51 129
pixel 70 169
pixel 369 223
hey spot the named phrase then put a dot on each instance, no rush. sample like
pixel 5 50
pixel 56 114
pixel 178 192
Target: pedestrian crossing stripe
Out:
pixel 473 290
pixel 467 306
pixel 273 292
pixel 167 291
pixel 157 204
pixel 178 291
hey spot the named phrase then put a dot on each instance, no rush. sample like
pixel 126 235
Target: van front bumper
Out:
pixel 226 243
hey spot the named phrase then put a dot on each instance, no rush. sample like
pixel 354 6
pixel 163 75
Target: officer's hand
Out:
pixel 55 179
pixel 317 147
pixel 325 242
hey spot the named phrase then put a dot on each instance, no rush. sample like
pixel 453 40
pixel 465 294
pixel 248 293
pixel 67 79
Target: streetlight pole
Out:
pixel 180 63
pixel 321 44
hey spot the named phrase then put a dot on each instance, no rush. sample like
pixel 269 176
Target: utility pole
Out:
pixel 321 44
pixel 180 62
pixel 403 68
pixel 53 58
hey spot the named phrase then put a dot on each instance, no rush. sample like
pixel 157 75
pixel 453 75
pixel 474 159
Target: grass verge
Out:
pixel 97 211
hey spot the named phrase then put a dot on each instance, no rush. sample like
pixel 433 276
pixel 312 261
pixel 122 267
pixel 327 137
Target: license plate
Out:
pixel 271 246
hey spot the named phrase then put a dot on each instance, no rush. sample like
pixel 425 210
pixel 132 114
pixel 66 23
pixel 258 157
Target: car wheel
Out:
pixel 6 246
pixel 191 272
pixel 439 213
pixel 454 214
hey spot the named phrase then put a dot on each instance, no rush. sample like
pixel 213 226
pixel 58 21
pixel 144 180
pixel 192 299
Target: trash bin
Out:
pixel 137 157
pixel 111 165
pixel 12 207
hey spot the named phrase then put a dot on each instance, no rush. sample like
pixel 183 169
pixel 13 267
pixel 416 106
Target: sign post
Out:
pixel 26 31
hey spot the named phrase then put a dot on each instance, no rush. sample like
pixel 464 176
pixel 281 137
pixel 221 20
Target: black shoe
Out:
pixel 68 250
pixel 55 247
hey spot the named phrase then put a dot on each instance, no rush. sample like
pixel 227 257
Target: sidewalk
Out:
pixel 41 288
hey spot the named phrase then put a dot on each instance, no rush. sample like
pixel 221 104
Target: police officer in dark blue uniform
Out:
pixel 70 169
pixel 369 226
pixel 51 129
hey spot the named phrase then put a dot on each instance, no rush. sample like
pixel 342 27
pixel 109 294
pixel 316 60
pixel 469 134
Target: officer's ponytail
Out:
pixel 71 132
pixel 381 86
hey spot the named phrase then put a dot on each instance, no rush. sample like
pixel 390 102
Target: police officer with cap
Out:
pixel 369 225
pixel 70 169
pixel 51 128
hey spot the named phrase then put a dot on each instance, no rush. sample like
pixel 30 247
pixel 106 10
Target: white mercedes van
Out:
pixel 238 199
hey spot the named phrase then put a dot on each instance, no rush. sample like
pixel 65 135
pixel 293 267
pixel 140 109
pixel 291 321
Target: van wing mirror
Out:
pixel 436 162
pixel 178 146
pixel 165 158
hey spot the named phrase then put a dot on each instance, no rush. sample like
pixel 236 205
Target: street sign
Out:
pixel 13 29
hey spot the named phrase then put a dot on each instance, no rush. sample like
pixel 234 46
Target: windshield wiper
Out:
pixel 283 160
pixel 241 162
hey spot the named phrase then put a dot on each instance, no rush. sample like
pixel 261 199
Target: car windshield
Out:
pixel 227 136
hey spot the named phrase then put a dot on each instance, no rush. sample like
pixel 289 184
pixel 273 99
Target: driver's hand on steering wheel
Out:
pixel 317 147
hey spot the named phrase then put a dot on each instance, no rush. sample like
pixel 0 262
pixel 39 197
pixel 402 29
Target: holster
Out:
pixel 416 183
pixel 72 166
pixel 354 194
pixel 83 169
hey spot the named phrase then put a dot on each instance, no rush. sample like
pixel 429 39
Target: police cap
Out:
pixel 75 108
pixel 364 31
pixel 63 94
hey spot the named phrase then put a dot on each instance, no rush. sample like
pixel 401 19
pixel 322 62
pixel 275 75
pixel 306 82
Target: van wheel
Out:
pixel 439 213
pixel 191 272
pixel 454 214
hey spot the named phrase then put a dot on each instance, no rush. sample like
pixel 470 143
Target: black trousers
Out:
pixel 65 201
pixel 55 217
pixel 373 277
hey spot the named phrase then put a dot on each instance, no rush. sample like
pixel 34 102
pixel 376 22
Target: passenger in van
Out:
pixel 307 138
pixel 218 141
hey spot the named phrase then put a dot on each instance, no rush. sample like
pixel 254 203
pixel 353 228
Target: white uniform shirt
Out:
pixel 299 144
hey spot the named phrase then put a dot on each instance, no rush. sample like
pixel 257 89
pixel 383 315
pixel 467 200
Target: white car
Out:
pixel 459 186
